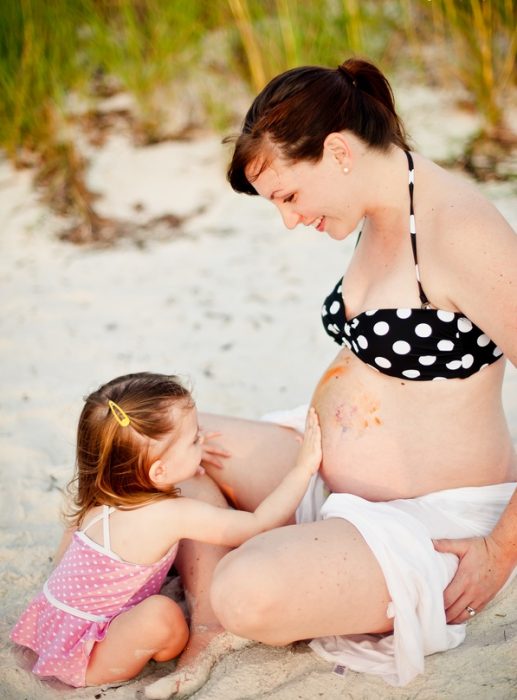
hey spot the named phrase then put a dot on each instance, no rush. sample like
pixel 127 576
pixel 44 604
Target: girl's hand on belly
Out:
pixel 309 458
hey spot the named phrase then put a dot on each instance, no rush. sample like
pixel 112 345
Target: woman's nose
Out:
pixel 290 218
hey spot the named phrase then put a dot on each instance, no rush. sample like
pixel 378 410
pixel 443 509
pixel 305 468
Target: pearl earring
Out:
pixel 346 170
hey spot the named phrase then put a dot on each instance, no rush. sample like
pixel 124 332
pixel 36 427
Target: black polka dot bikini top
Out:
pixel 421 343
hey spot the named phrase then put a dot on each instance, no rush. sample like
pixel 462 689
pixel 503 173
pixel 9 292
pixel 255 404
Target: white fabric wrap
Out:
pixel 399 533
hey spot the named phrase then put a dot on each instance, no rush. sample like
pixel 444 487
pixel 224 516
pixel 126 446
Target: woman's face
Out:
pixel 313 194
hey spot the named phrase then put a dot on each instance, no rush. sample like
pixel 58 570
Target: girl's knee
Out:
pixel 166 620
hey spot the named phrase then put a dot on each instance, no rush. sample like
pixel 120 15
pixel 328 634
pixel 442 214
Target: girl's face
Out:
pixel 312 194
pixel 179 455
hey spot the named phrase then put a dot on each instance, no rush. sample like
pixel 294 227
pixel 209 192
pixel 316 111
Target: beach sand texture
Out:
pixel 230 300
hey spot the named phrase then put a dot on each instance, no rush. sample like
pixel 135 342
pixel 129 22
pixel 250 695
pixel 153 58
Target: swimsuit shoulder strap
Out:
pixel 412 228
pixel 104 516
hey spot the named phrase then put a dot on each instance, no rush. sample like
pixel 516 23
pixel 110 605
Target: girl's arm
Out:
pixel 63 545
pixel 201 521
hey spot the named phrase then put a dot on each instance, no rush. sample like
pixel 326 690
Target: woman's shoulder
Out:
pixel 458 211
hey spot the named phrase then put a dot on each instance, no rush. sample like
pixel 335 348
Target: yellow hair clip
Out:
pixel 120 416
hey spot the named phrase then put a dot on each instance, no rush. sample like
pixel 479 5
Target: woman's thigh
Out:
pixel 302 581
pixel 261 454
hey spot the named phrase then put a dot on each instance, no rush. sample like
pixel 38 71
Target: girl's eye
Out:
pixel 289 198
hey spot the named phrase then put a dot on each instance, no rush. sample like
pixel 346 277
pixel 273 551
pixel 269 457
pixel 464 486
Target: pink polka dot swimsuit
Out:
pixel 90 586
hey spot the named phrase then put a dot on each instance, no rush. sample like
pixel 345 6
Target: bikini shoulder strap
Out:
pixel 412 229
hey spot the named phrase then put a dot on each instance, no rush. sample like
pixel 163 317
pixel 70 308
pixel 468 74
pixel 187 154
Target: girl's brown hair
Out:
pixel 112 461
pixel 299 108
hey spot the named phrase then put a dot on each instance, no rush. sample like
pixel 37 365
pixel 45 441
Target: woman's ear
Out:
pixel 336 145
pixel 157 473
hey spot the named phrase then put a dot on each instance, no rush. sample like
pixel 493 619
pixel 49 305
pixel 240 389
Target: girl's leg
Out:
pixel 300 582
pixel 153 629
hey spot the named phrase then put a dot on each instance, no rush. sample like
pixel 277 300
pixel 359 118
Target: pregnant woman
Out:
pixel 412 527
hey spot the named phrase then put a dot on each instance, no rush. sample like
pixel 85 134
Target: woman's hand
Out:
pixel 310 453
pixel 482 571
pixel 213 454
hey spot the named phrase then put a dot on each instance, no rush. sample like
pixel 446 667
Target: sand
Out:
pixel 215 302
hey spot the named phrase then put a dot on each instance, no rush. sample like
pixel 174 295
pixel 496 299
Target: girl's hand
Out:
pixel 482 572
pixel 310 454
pixel 213 454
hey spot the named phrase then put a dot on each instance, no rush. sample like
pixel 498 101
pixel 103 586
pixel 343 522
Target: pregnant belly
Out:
pixel 385 438
pixel 353 439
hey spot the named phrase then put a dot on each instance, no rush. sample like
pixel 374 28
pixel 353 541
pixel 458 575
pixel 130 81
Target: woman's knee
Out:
pixel 243 594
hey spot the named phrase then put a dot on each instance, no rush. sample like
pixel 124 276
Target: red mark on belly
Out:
pixel 332 373
pixel 229 493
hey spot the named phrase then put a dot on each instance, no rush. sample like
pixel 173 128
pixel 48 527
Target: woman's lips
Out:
pixel 319 224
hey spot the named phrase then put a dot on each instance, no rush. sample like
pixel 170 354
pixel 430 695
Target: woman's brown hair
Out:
pixel 113 460
pixel 299 108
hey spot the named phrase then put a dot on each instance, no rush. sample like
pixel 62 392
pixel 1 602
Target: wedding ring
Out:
pixel 470 611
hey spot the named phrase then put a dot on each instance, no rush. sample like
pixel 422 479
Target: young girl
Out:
pixel 100 617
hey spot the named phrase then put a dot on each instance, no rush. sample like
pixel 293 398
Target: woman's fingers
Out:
pixel 481 573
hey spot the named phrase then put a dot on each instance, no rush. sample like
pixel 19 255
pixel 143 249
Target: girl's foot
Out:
pixel 205 647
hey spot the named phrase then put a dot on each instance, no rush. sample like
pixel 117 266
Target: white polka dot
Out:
pixel 346 343
pixel 427 360
pixel 403 313
pixel 439 379
pixel 446 316
pixel 354 345
pixel 324 311
pixel 464 325
pixel 497 351
pixel 401 347
pixel 381 328
pixel 333 328
pixel 423 330
pixel 411 373
pixel 362 342
pixel 483 366
pixel 445 345
pixel 347 329
pixel 453 364
pixel 370 312
pixel 334 307
pixel 355 323
pixel 467 361
pixel 383 362
pixel 483 340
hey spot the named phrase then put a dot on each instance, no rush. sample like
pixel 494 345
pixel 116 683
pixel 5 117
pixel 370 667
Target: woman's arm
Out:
pixel 206 523
pixel 478 251
pixel 485 565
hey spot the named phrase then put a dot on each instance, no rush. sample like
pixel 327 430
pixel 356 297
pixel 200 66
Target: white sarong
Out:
pixel 399 533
